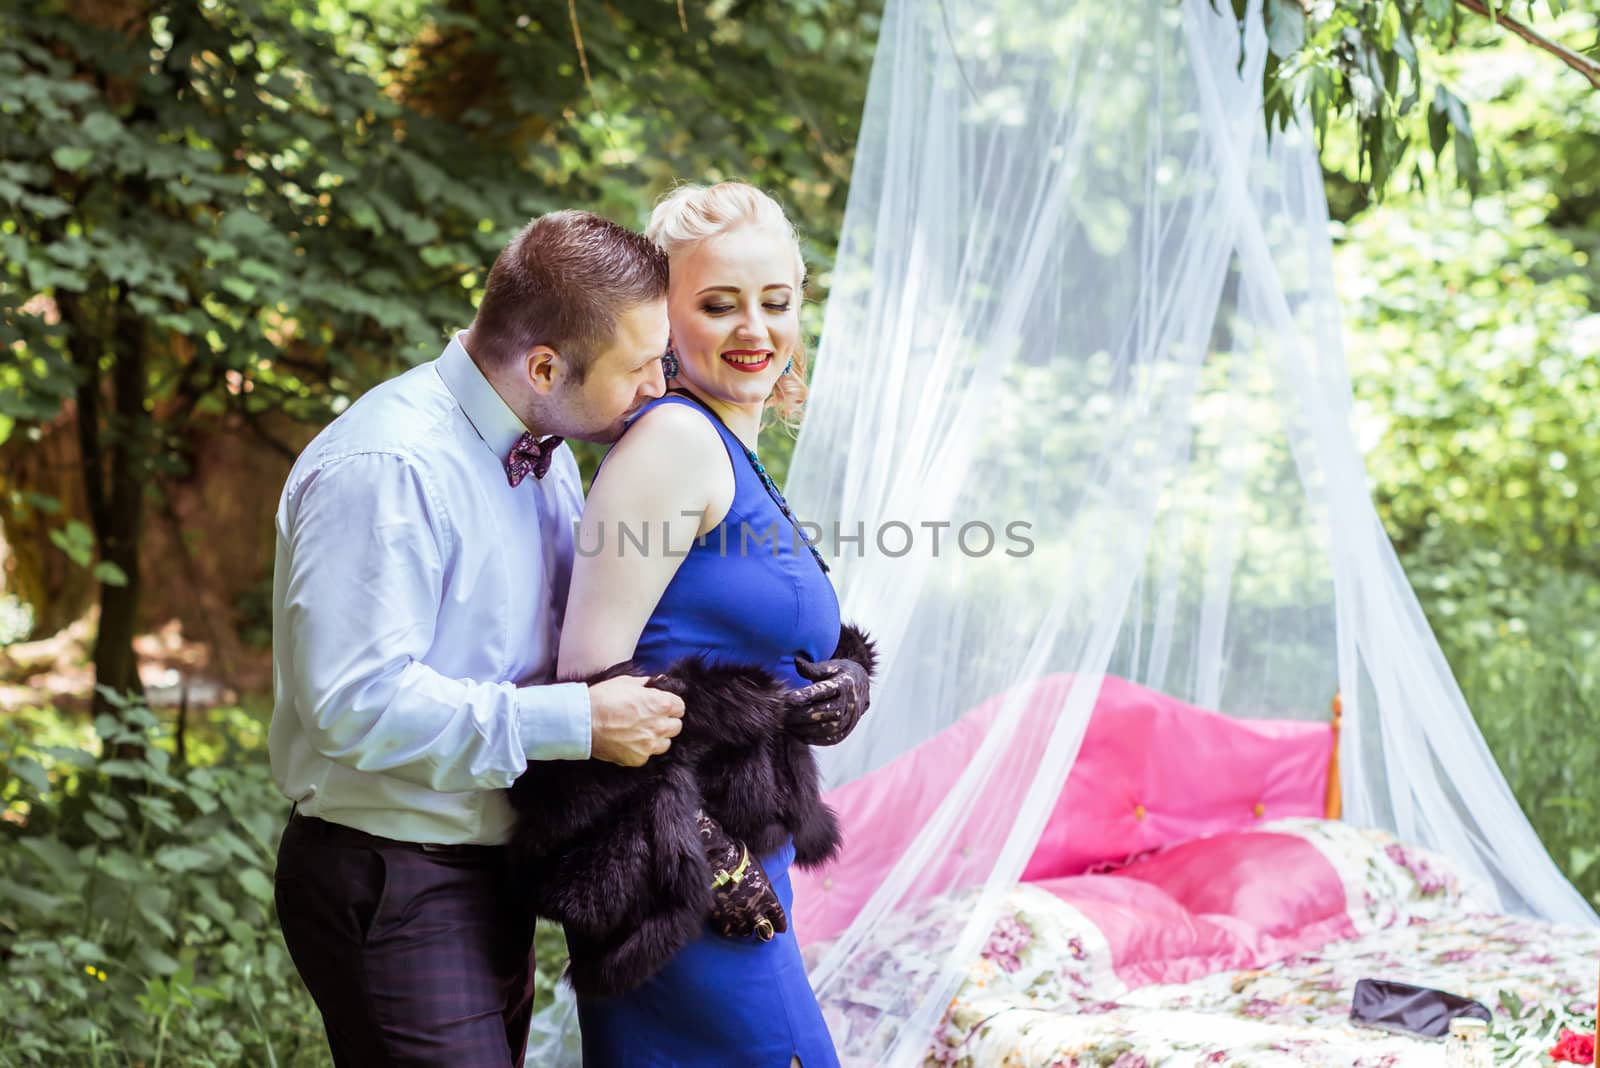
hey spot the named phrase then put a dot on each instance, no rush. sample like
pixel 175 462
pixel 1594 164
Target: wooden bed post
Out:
pixel 1335 802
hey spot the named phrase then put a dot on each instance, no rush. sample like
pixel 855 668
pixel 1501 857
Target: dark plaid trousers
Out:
pixel 417 956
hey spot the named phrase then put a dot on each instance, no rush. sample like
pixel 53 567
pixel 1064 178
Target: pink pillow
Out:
pixel 1146 928
pixel 1154 771
pixel 1239 900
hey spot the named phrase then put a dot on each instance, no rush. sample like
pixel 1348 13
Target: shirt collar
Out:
pixel 485 409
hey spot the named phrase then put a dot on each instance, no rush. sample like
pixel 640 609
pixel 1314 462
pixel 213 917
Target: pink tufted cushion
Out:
pixel 1153 771
pixel 1189 772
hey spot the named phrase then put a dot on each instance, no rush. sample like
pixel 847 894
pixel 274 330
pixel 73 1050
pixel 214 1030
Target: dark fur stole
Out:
pixel 854 644
pixel 614 855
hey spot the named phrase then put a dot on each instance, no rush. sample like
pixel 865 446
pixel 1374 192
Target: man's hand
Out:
pixel 825 712
pixel 743 902
pixel 632 721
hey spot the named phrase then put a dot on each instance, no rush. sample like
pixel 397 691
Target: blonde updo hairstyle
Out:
pixel 693 213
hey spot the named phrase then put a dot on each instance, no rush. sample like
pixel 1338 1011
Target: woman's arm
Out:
pixel 668 481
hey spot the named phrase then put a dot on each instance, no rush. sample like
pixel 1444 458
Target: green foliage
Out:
pixel 1475 334
pixel 1523 1027
pixel 1481 372
pixel 1366 64
pixel 1473 331
pixel 243 192
pixel 136 897
pixel 280 204
pixel 1523 637
pixel 550 951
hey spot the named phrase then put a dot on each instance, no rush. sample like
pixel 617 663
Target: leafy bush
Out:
pixel 136 912
pixel 1523 637
pixel 136 899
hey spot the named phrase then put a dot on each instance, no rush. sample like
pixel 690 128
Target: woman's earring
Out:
pixel 789 366
pixel 669 363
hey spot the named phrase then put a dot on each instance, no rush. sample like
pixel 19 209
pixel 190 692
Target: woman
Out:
pixel 691 563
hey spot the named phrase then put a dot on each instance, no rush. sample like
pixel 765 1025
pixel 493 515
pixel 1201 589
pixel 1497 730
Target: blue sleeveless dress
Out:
pixel 740 595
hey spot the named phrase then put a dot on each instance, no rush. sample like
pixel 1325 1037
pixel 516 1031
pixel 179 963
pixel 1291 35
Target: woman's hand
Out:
pixel 825 712
pixel 743 902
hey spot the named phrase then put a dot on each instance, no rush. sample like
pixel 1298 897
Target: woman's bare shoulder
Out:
pixel 671 451
pixel 684 425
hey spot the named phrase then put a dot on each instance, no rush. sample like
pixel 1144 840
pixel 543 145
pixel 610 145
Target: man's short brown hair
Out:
pixel 562 282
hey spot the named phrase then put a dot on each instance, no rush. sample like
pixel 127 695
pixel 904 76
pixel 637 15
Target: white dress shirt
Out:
pixel 416 608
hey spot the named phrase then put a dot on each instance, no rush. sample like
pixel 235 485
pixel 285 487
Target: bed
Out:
pixel 1183 916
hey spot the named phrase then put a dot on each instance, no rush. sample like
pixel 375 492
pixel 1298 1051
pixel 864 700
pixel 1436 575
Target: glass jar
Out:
pixel 1467 1045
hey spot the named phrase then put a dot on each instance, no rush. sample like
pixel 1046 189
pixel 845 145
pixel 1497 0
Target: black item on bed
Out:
pixel 1412 1010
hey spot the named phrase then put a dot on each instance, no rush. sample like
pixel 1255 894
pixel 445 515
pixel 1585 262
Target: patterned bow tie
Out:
pixel 530 455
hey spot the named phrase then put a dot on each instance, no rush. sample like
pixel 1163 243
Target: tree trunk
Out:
pixel 116 665
pixel 114 450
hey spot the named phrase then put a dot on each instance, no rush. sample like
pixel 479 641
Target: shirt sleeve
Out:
pixel 368 543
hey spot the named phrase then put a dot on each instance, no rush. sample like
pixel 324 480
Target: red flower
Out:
pixel 1574 1048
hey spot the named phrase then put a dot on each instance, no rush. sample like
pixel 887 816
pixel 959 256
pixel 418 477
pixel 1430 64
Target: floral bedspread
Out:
pixel 1042 991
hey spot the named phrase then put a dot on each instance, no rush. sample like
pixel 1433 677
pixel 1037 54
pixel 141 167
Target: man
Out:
pixel 424 550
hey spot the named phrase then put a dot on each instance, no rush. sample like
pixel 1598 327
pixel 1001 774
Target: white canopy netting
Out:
pixel 1080 289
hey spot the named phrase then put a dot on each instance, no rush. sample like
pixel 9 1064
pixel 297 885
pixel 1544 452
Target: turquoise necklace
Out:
pixel 766 479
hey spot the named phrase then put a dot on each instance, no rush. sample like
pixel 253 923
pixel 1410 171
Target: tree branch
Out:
pixel 1580 63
